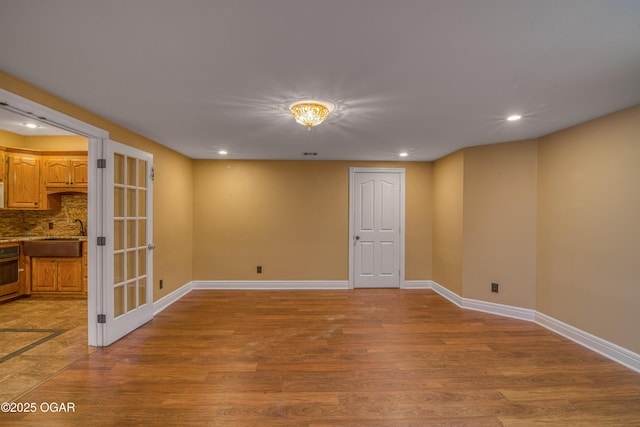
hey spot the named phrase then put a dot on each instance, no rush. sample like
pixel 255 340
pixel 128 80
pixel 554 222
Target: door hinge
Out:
pixel 153 173
pixel 102 318
pixel 102 163
pixel 102 241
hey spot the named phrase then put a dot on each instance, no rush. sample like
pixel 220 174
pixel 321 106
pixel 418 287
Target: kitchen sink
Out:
pixel 53 247
pixel 60 238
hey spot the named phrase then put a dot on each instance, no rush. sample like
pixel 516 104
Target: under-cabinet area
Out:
pixel 43 216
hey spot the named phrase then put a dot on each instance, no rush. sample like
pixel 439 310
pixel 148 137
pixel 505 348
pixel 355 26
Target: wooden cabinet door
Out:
pixel 56 171
pixel 79 171
pixel 69 274
pixel 56 275
pixel 2 165
pixel 66 172
pixel 24 182
pixel 43 275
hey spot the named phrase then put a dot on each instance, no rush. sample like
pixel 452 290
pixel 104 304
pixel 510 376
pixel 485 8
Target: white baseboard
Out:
pixel 417 284
pixel 500 309
pixel 610 350
pixel 451 296
pixel 169 299
pixel 271 284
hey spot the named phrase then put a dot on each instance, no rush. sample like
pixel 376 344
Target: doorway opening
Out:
pixel 57 322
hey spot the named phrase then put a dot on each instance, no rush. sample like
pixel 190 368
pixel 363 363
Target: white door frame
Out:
pixel 95 199
pixel 401 253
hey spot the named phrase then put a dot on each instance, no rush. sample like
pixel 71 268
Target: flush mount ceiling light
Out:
pixel 30 125
pixel 310 113
pixel 514 118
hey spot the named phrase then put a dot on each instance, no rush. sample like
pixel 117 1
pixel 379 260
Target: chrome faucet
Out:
pixel 83 231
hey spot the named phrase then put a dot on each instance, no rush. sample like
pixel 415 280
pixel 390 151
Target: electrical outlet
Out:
pixel 161 283
pixel 495 287
pixel 259 269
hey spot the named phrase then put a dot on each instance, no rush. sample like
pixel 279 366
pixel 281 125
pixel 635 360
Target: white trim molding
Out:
pixel 271 284
pixel 95 264
pixel 167 300
pixel 603 347
pixel 446 293
pixel 500 309
pixel 418 284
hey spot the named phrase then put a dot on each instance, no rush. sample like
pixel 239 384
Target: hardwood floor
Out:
pixel 337 358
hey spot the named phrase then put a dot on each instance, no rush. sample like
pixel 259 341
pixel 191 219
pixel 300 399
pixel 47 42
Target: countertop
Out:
pixel 9 239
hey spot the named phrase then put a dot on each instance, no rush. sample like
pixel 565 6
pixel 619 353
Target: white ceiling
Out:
pixel 427 77
pixel 16 123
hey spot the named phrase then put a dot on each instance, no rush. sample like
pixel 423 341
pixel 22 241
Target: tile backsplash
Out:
pixel 36 223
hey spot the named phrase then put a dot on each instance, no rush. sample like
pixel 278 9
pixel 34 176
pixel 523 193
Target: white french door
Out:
pixel 376 228
pixel 128 281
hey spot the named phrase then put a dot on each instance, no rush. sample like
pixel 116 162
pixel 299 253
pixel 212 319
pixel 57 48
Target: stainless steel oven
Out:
pixel 9 270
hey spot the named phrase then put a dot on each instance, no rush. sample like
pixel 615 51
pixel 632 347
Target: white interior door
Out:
pixel 128 281
pixel 376 224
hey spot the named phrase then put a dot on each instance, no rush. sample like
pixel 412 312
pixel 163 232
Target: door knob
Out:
pixel 151 246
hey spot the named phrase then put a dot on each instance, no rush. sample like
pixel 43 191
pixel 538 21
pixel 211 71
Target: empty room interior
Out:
pixel 291 213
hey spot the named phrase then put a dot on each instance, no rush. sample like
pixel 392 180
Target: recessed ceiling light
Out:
pixel 514 118
pixel 403 154
pixel 30 125
pixel 223 152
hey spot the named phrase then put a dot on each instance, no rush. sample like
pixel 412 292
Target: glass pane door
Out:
pixel 130 293
pixel 129 237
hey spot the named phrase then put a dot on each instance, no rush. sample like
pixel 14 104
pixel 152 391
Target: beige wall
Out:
pixel 499 225
pixel 589 227
pixel 292 218
pixel 43 143
pixel 58 143
pixel 10 139
pixel 173 204
pixel 172 220
pixel 448 188
pixel 419 221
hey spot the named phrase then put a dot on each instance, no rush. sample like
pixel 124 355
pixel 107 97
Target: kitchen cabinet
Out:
pixel 2 164
pixel 34 180
pixel 3 176
pixel 66 173
pixel 56 275
pixel 23 181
